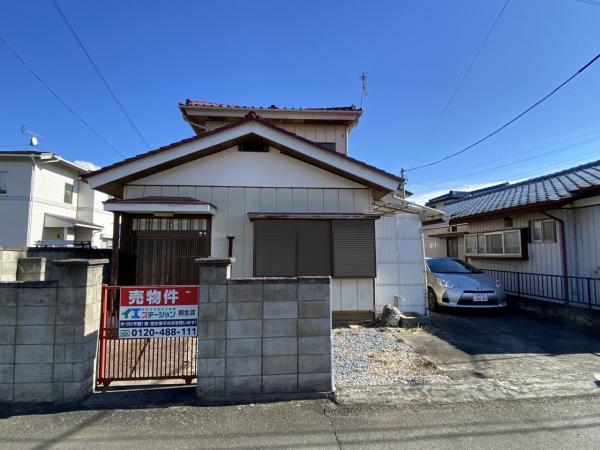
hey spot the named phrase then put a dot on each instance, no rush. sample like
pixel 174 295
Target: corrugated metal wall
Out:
pixel 400 262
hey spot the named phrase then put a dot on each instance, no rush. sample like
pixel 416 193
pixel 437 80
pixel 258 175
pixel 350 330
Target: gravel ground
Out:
pixel 372 356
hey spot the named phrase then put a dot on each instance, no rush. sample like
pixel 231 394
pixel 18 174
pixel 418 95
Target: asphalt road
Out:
pixel 547 424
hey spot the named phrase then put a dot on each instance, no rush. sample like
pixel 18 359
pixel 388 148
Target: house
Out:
pixel 441 200
pixel 43 201
pixel 548 226
pixel 276 189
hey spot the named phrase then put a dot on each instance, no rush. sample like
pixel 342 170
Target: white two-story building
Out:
pixel 43 202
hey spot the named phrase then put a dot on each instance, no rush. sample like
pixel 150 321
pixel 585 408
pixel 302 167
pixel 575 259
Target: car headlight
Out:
pixel 445 283
pixel 498 283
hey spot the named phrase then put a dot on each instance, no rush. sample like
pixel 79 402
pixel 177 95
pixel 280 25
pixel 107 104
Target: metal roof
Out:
pixel 553 188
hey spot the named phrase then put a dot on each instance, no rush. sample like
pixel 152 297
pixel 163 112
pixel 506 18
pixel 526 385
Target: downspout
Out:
pixel 30 201
pixel 563 253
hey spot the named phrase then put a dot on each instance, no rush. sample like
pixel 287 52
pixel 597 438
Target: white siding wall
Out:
pixel 400 263
pixel 583 238
pixel 233 204
pixel 48 197
pixel 316 133
pixel 234 168
pixel 90 208
pixel 15 204
pixel 543 258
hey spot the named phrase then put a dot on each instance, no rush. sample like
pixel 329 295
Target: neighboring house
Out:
pixel 276 189
pixel 548 225
pixel 43 199
pixel 451 196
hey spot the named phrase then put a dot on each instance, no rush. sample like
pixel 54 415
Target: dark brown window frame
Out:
pixel 332 269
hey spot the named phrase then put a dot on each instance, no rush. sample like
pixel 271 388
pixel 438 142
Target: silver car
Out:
pixel 457 284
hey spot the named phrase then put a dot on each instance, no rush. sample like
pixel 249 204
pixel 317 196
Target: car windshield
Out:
pixel 448 265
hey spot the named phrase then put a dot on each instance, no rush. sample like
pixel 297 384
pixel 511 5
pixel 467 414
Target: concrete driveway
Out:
pixel 506 345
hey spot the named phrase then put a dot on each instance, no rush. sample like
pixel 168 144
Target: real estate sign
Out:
pixel 158 312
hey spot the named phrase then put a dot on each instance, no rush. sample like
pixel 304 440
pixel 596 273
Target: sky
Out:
pixel 308 54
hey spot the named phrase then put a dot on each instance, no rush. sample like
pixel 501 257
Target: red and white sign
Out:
pixel 158 311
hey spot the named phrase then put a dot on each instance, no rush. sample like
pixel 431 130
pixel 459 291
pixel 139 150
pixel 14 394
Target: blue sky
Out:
pixel 310 53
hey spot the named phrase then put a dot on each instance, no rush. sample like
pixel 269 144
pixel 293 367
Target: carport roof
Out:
pixel 546 191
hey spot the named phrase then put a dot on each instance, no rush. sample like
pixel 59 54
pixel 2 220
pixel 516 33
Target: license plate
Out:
pixel 480 297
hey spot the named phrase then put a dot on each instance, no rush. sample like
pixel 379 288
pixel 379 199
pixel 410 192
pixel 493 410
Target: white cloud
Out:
pixel 422 198
pixel 87 165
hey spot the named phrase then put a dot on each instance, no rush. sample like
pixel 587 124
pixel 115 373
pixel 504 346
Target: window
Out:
pixel 327 145
pixel 543 231
pixel 471 243
pixel 3 189
pixel 340 248
pixel 68 193
pixel 480 243
pixel 512 242
pixel 493 243
pixel 507 243
pixel 253 146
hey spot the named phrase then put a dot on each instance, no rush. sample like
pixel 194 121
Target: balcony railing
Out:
pixel 63 243
pixel 567 290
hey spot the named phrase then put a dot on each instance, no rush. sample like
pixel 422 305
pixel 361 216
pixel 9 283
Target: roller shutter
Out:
pixel 354 248
pixel 274 248
pixel 314 247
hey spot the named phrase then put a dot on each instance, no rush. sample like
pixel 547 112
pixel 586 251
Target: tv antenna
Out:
pixel 33 136
pixel 363 80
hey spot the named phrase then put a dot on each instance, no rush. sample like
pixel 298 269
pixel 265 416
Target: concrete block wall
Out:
pixel 262 336
pixel 9 257
pixel 31 269
pixel 48 334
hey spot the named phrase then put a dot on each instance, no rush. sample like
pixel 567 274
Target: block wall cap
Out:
pixel 215 261
pixel 79 262
pixel 27 284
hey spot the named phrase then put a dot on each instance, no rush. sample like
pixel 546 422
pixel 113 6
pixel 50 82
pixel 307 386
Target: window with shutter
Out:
pixel 354 248
pixel 314 247
pixel 275 248
pixel 297 247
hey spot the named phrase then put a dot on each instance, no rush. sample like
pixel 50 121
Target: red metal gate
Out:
pixel 140 359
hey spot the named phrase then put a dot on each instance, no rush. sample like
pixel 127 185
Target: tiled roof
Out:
pixel 203 104
pixel 556 187
pixel 457 195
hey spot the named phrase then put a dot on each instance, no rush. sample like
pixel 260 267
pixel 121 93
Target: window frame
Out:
pixel 71 191
pixel 543 239
pixel 332 250
pixel 4 189
pixel 522 254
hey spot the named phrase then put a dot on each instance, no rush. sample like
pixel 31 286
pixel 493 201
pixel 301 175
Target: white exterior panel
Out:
pixel 400 263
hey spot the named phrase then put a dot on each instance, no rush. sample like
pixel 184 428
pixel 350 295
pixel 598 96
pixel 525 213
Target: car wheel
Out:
pixel 432 301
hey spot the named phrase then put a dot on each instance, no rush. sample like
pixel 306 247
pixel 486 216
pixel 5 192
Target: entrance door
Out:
pixel 452 247
pixel 163 250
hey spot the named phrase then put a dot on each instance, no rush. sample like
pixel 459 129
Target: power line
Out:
pixel 514 119
pixel 512 163
pixel 112 93
pixel 71 110
pixel 465 75
pixel 590 2
pixel 485 166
